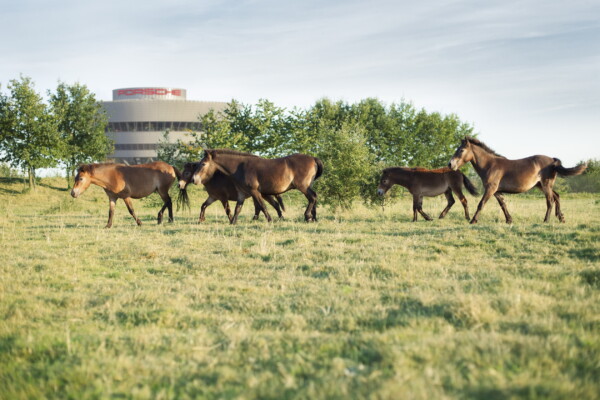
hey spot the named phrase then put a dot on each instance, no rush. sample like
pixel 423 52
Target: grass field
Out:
pixel 362 304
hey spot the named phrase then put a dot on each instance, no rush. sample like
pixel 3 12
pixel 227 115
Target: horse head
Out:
pixel 83 179
pixel 205 169
pixel 384 183
pixel 187 174
pixel 462 155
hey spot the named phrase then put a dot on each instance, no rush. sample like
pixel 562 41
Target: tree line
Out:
pixel 354 141
pixel 65 130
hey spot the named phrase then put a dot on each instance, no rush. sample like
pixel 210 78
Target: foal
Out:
pixel 128 182
pixel 220 187
pixel 500 175
pixel 428 182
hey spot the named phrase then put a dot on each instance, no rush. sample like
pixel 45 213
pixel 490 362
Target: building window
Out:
pixel 159 126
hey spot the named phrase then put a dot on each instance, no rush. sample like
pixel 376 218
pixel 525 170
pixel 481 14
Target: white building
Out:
pixel 138 118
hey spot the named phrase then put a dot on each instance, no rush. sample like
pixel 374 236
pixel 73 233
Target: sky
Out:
pixel 525 74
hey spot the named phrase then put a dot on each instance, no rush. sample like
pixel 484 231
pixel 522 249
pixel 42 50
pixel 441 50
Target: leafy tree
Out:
pixel 30 137
pixel 348 165
pixel 81 123
pixel 181 151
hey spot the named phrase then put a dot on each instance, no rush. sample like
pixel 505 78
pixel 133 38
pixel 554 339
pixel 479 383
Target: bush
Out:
pixel 348 165
pixel 588 182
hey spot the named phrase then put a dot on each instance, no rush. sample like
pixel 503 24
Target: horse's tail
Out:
pixel 562 171
pixel 319 168
pixel 280 201
pixel 469 185
pixel 183 200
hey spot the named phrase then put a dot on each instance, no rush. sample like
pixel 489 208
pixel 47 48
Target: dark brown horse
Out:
pixel 257 176
pixel 428 182
pixel 128 182
pixel 220 187
pixel 500 175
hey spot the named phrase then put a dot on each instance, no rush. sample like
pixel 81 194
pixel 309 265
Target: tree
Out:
pixel 82 124
pixel 348 165
pixel 30 137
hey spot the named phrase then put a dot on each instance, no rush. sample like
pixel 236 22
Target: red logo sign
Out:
pixel 149 92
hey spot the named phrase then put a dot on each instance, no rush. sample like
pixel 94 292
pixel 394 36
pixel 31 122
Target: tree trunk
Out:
pixel 31 174
pixel 68 175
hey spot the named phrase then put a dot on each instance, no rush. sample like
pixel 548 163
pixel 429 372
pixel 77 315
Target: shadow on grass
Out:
pixel 586 254
pixel 60 189
pixel 11 181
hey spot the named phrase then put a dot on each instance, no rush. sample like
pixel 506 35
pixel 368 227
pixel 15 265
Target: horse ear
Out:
pixel 208 154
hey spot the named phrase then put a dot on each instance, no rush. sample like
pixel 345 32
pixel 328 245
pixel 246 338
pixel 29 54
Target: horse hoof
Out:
pixel 473 222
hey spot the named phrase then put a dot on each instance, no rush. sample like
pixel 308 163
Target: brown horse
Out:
pixel 128 182
pixel 220 187
pixel 257 176
pixel 500 175
pixel 428 182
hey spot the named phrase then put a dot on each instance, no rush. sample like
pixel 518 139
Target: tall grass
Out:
pixel 361 304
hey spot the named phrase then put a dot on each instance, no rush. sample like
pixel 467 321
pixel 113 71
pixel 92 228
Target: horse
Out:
pixel 127 182
pixel 428 182
pixel 501 175
pixel 257 176
pixel 220 187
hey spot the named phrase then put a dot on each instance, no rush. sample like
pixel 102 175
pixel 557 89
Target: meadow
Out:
pixel 362 304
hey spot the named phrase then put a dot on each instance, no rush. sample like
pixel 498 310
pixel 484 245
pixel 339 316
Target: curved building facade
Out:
pixel 138 118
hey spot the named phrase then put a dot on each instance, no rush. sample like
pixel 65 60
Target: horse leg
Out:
pixel 559 214
pixel 489 192
pixel 167 203
pixel 311 196
pixel 500 199
pixel 227 209
pixel 451 201
pixel 206 203
pixel 112 201
pixel 274 204
pixel 313 209
pixel 420 209
pixel 415 207
pixel 549 193
pixel 257 210
pixel 463 201
pixel 238 207
pixel 257 197
pixel 127 201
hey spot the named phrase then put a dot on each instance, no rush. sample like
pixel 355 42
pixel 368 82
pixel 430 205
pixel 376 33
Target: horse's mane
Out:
pixel 90 168
pixel 485 147
pixel 232 152
pixel 419 169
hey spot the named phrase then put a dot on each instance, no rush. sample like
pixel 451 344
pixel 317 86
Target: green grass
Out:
pixel 362 304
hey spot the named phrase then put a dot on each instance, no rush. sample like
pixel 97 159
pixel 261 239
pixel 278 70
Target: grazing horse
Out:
pixel 220 187
pixel 257 176
pixel 500 175
pixel 428 182
pixel 128 182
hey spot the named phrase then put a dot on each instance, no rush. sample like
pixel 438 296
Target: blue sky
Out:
pixel 526 74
